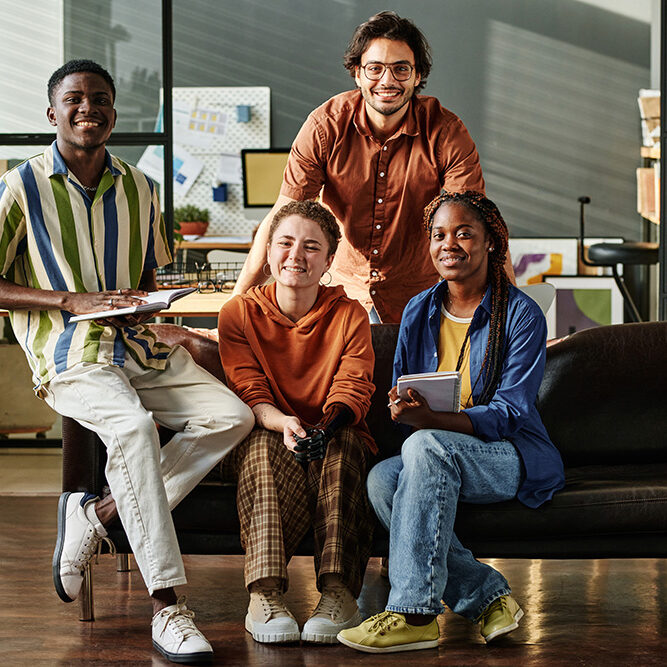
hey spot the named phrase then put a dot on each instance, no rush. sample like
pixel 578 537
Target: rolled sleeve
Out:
pixel 460 160
pixel 516 394
pixel 12 228
pixel 158 251
pixel 305 171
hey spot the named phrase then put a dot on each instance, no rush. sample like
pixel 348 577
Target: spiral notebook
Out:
pixel 441 389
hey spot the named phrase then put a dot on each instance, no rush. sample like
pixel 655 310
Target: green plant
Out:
pixel 190 213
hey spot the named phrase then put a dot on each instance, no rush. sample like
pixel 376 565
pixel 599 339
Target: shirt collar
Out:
pixel 409 126
pixel 58 165
pixel 439 292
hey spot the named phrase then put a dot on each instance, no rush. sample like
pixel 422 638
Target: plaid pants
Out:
pixel 278 501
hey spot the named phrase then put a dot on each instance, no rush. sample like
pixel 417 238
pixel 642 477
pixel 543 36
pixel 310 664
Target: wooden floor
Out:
pixel 605 612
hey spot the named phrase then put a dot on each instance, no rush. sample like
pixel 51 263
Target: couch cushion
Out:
pixel 596 501
pixel 603 396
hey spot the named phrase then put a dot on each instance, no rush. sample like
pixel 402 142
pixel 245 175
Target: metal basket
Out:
pixel 206 277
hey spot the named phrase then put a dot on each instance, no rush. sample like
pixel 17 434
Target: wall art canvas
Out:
pixel 583 302
pixel 533 258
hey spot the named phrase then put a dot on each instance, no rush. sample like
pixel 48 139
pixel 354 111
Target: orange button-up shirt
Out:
pixel 378 191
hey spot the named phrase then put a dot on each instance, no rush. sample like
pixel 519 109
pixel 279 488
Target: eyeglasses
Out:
pixel 375 71
pixel 210 286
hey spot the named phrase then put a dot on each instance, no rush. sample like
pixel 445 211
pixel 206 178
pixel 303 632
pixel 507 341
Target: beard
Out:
pixel 386 109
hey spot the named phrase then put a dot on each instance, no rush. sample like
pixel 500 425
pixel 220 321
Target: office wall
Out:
pixel 31 47
pixel 547 88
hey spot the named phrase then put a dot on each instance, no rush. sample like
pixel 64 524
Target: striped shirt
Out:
pixel 55 236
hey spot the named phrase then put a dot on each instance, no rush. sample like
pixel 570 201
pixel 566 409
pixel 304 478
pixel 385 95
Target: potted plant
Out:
pixel 190 220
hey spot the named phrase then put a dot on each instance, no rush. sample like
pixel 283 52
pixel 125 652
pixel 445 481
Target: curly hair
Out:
pixel 389 25
pixel 314 211
pixel 488 214
pixel 74 67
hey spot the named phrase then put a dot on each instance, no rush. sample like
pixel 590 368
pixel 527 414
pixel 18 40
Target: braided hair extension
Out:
pixel 489 215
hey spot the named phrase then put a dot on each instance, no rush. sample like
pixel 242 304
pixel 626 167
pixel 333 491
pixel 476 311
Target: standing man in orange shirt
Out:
pixel 378 155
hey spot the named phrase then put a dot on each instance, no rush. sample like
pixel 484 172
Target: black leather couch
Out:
pixel 603 400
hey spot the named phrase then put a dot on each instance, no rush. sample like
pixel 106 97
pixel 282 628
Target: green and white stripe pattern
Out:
pixel 54 236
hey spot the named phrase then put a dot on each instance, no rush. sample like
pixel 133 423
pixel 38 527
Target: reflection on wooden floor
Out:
pixel 604 612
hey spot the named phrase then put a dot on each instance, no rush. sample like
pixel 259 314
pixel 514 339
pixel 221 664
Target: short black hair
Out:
pixel 74 67
pixel 389 25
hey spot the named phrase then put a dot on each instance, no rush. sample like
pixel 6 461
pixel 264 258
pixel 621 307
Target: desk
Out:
pixel 197 305
pixel 192 305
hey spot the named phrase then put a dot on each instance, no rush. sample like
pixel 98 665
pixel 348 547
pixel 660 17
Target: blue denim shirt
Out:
pixel 511 414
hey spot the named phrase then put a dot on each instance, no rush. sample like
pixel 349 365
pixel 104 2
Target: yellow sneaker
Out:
pixel 500 617
pixel 388 632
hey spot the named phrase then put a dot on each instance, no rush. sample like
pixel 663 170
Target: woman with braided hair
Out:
pixel 496 448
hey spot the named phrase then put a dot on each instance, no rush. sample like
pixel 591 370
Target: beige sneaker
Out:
pixel 336 611
pixel 268 619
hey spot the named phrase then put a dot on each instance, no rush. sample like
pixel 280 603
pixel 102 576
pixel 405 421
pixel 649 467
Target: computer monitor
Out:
pixel 262 175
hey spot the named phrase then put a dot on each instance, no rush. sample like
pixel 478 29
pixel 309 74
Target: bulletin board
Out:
pixel 226 218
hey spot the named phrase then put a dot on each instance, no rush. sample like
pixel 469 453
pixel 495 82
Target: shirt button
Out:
pixel 380 200
pixel 384 148
pixel 382 174
pixel 375 252
pixel 435 354
pixel 372 291
pixel 378 226
pixel 374 274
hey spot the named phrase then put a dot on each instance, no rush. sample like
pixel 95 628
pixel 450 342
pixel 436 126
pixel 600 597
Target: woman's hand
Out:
pixel 413 410
pixel 291 427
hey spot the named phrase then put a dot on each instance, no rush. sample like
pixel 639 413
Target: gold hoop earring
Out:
pixel 266 265
pixel 330 279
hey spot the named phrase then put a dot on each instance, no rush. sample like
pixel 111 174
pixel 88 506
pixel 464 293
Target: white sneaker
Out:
pixel 268 619
pixel 336 611
pixel 80 534
pixel 176 636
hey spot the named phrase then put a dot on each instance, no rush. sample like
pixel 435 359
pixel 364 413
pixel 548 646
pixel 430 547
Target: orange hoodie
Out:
pixel 299 367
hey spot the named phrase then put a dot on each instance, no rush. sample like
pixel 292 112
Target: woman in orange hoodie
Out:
pixel 300 355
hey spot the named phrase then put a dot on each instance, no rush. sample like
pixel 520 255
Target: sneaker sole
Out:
pixel 414 646
pixel 58 551
pixel 270 637
pixel 184 658
pixel 327 638
pixel 507 629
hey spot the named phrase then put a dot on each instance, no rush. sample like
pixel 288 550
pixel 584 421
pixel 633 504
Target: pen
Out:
pixel 396 402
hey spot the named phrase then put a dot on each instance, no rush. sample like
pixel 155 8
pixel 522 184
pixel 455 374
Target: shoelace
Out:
pixel 181 619
pixel 331 602
pixel 499 604
pixel 93 547
pixel 383 621
pixel 272 601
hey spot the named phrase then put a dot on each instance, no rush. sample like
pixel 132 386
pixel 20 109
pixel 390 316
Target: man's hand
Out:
pixel 80 303
pixel 292 426
pixel 413 411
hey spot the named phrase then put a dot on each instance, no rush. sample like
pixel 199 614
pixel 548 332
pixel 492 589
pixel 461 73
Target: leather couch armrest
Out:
pixel 203 350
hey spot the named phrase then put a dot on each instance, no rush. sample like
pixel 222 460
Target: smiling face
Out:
pixel 387 96
pixel 459 244
pixel 298 253
pixel 82 112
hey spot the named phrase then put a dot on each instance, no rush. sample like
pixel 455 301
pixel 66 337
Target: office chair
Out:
pixel 542 293
pixel 613 254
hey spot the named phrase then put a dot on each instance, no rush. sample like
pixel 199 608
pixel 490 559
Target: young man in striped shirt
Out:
pixel 80 232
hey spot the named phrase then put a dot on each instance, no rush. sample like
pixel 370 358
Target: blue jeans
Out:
pixel 415 496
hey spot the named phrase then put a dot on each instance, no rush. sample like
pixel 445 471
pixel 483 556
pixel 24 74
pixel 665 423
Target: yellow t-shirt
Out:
pixel 452 334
